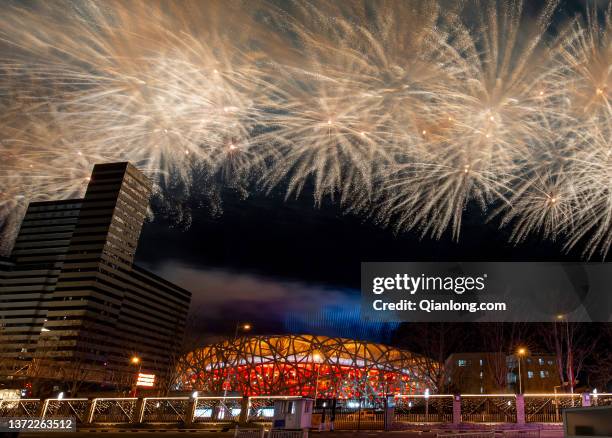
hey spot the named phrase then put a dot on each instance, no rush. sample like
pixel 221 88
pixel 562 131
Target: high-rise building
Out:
pixel 73 301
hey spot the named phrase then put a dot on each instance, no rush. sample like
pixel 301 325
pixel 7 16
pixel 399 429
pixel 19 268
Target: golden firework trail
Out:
pixel 405 112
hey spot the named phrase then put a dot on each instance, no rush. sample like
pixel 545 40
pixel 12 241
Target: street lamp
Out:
pixel 317 358
pixel 135 360
pixel 522 351
pixel 570 356
pixel 241 326
pixel 245 326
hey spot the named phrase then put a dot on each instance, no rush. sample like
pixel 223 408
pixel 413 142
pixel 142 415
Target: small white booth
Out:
pixel 292 413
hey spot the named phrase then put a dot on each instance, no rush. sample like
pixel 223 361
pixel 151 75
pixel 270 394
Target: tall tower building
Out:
pixel 76 302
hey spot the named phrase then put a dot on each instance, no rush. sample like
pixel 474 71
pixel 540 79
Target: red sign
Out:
pixel 147 380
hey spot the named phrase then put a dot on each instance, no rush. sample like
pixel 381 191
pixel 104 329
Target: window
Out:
pixel 481 375
pixel 462 362
pixel 543 374
pixel 530 374
pixel 541 361
pixel 481 361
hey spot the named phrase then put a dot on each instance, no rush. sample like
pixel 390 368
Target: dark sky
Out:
pixel 288 266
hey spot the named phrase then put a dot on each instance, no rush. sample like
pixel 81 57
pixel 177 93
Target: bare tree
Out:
pixel 436 341
pixel 572 344
pixel 500 339
pixel 599 367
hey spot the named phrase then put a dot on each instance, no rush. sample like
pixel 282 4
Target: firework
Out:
pixel 591 172
pixel 358 91
pixel 587 57
pixel 407 112
pixel 481 125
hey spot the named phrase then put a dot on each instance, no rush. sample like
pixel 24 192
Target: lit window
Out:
pixel 481 361
pixel 541 361
pixel 530 374
pixel 462 362
pixel 543 374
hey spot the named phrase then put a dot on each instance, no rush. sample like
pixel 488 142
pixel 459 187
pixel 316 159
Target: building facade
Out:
pixel 73 301
pixel 538 373
pixel 304 365
pixel 497 373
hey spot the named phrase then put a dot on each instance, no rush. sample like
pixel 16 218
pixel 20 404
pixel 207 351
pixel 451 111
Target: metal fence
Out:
pixel 490 434
pixel 359 414
pixel 217 409
pixel 521 433
pixel 66 407
pixel 488 408
pixel 601 399
pixel 159 410
pixel 548 408
pixel 114 411
pixel 346 414
pixel 424 409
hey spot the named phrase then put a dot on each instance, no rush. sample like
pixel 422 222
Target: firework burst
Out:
pixel 407 112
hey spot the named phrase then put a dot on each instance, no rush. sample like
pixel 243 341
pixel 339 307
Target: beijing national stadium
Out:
pixel 303 365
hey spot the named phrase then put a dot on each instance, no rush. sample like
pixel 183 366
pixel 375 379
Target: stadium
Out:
pixel 303 365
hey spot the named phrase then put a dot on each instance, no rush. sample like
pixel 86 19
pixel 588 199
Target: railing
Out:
pixel 165 410
pixel 424 409
pixel 20 407
pixel 249 433
pixel 548 408
pixel 261 408
pixel 521 433
pixel 114 411
pixel 347 414
pixel 274 433
pixel 359 414
pixel 217 409
pixel 66 407
pixel 601 399
pixel 488 408
pixel 490 434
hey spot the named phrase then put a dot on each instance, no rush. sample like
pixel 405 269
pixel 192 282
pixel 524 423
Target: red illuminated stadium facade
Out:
pixel 304 365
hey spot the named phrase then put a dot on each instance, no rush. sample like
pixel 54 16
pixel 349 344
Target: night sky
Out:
pixel 290 266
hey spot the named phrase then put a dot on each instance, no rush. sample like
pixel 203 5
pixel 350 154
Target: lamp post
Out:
pixel 570 356
pixel 317 359
pixel 520 353
pixel 135 360
pixel 245 326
